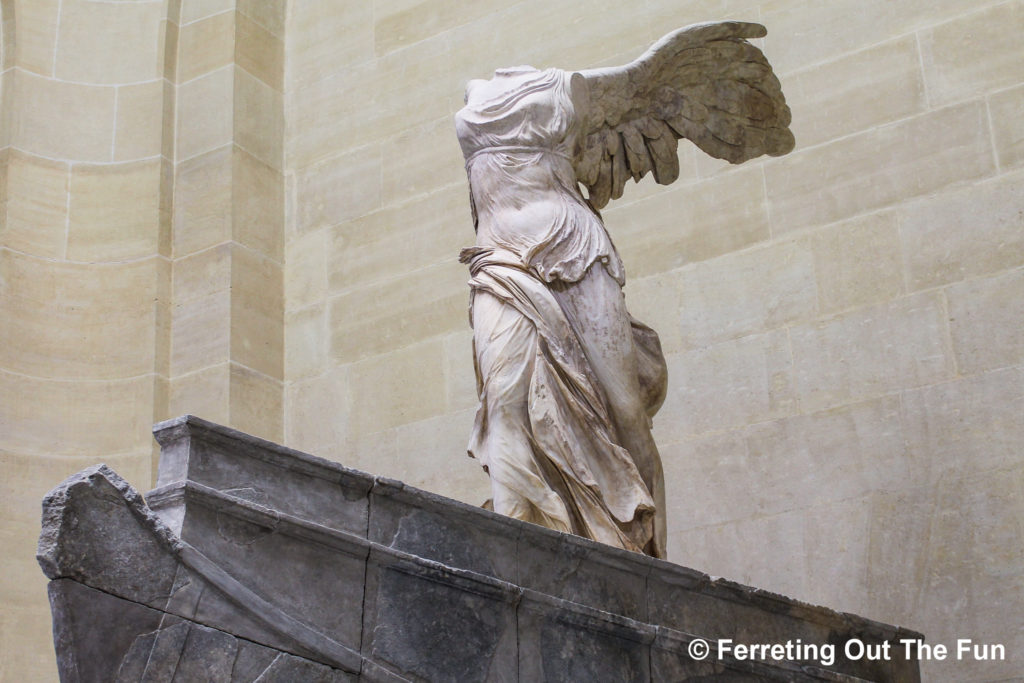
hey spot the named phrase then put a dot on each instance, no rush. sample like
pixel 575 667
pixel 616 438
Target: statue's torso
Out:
pixel 517 133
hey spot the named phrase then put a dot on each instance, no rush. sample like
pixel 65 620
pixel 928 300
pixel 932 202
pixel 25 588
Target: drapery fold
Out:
pixel 544 430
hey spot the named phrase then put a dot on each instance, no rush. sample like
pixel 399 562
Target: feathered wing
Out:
pixel 705 83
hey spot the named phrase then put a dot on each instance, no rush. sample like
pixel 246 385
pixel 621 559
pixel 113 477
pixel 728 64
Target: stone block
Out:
pixel 89 536
pixel 408 88
pixel 339 189
pixel 163 315
pixel 975 533
pixel 412 86
pixel 422 159
pixel 259 52
pixel 320 119
pixel 1007 126
pixel 258 125
pixel 257 312
pixel 812 187
pixel 474 638
pixel 118 40
pixel 317 414
pixel 25 637
pixel 399 25
pixel 202 202
pixel 165 239
pixel 400 239
pixel 63 316
pixel 81 656
pixel 41 127
pixel 381 317
pixel 36 34
pixel 657 301
pixel 898 549
pixel 540 37
pixel 114 211
pixel 690 223
pixel 257 402
pixel 170 37
pixel 7 50
pixel 139 122
pixel 294 483
pixel 335 36
pixel 872 351
pixel 305 343
pixel 195 10
pixel 858 448
pixel 36 205
pixel 860 90
pixel 71 418
pixel 201 274
pixel 201 332
pixel 858 262
pixel 580 571
pixel 970 424
pixel 440 530
pixel 261 547
pixel 205 113
pixel 203 392
pixel 141 560
pixel 973 54
pixel 398 387
pixel 828 31
pixel 567 643
pixel 267 13
pixel 987 322
pixel 739 294
pixel 305 273
pixel 729 384
pixel 664 15
pixel 441 463
pixel 975 230
pixel 168 120
pixel 775 466
pixel 719 462
pixel 125 641
pixel 370 450
pixel 818 552
pixel 204 46
pixel 28 477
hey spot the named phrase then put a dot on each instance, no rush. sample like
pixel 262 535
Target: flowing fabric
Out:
pixel 567 380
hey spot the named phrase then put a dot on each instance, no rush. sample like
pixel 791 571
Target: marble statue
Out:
pixel 568 381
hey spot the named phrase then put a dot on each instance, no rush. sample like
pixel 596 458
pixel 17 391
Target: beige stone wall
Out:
pixel 141 251
pixel 81 266
pixel 843 325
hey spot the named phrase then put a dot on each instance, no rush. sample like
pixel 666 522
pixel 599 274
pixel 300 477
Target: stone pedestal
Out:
pixel 254 561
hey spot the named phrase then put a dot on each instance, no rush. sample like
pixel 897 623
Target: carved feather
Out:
pixel 705 83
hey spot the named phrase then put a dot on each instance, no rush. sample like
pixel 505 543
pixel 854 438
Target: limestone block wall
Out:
pixel 141 250
pixel 81 265
pixel 843 325
pixel 225 191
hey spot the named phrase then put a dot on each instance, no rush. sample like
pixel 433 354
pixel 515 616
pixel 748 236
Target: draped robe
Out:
pixel 563 371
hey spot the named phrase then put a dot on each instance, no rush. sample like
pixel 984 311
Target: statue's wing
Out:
pixel 705 83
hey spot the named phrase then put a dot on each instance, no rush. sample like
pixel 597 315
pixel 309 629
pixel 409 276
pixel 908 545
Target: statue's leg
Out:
pixel 596 310
pixel 505 344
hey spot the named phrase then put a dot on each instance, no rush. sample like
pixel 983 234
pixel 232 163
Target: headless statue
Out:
pixel 568 380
